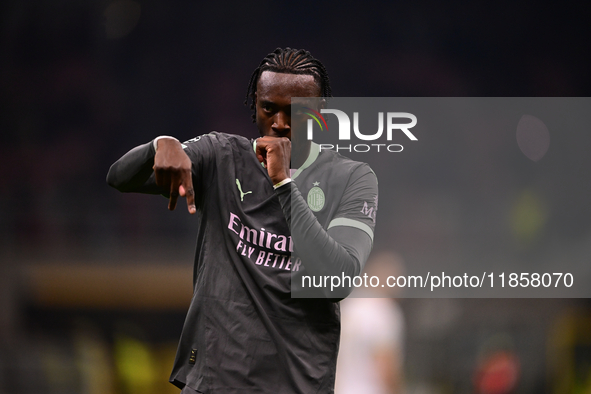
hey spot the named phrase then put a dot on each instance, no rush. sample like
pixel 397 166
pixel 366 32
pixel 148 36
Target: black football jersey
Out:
pixel 244 333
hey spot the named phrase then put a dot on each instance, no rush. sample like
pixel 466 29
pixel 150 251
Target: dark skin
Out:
pixel 172 166
pixel 172 170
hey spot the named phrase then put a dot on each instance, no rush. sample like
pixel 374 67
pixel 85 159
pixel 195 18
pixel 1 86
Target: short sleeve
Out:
pixel 201 151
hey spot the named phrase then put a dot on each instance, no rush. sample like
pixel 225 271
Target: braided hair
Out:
pixel 289 61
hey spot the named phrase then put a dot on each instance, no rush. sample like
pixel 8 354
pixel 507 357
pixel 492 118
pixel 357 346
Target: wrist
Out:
pixel 155 142
pixel 281 183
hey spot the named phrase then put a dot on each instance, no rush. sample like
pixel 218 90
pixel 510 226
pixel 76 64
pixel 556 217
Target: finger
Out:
pixel 174 195
pixel 262 159
pixel 172 201
pixel 186 190
pixel 162 178
pixel 158 176
pixel 261 151
pixel 278 156
pixel 261 145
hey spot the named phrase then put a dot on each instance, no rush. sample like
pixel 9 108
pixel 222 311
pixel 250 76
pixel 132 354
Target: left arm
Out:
pixel 340 250
pixel 336 251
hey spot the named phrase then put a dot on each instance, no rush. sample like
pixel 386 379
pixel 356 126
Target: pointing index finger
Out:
pixel 174 195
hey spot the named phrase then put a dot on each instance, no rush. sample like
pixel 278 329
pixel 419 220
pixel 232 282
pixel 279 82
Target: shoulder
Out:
pixel 354 170
pixel 218 136
pixel 216 140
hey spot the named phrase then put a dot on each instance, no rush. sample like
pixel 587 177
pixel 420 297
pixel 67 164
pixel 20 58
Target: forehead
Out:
pixel 283 85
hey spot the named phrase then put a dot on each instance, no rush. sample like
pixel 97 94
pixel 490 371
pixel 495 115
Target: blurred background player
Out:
pixel 371 354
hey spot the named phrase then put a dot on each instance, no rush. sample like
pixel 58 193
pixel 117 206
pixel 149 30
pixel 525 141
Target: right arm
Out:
pixel 165 170
pixel 134 171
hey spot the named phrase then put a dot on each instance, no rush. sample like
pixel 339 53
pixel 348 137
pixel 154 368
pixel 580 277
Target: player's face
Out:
pixel 273 100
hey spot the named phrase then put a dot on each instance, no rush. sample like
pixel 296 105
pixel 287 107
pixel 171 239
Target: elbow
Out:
pixel 113 181
pixel 339 294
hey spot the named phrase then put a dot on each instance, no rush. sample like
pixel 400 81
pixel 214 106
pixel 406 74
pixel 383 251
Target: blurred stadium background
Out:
pixel 94 284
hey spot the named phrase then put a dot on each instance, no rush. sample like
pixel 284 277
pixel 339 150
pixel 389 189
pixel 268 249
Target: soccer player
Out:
pixel 269 211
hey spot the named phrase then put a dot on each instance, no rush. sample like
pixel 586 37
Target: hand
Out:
pixel 172 170
pixel 275 152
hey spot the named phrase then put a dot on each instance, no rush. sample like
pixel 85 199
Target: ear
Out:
pixel 255 99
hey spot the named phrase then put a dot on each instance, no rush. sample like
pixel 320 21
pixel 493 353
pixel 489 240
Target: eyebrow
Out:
pixel 269 102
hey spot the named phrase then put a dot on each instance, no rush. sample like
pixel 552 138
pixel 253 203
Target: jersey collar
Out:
pixel 312 156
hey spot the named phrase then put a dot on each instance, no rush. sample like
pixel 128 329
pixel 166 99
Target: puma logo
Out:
pixel 242 194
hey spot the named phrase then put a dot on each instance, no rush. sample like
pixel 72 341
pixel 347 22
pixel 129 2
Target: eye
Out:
pixel 267 107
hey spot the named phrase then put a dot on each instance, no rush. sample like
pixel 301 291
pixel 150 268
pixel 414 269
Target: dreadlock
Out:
pixel 289 61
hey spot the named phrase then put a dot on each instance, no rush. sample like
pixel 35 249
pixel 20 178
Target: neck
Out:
pixel 300 150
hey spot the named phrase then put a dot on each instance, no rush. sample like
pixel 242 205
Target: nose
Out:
pixel 281 123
